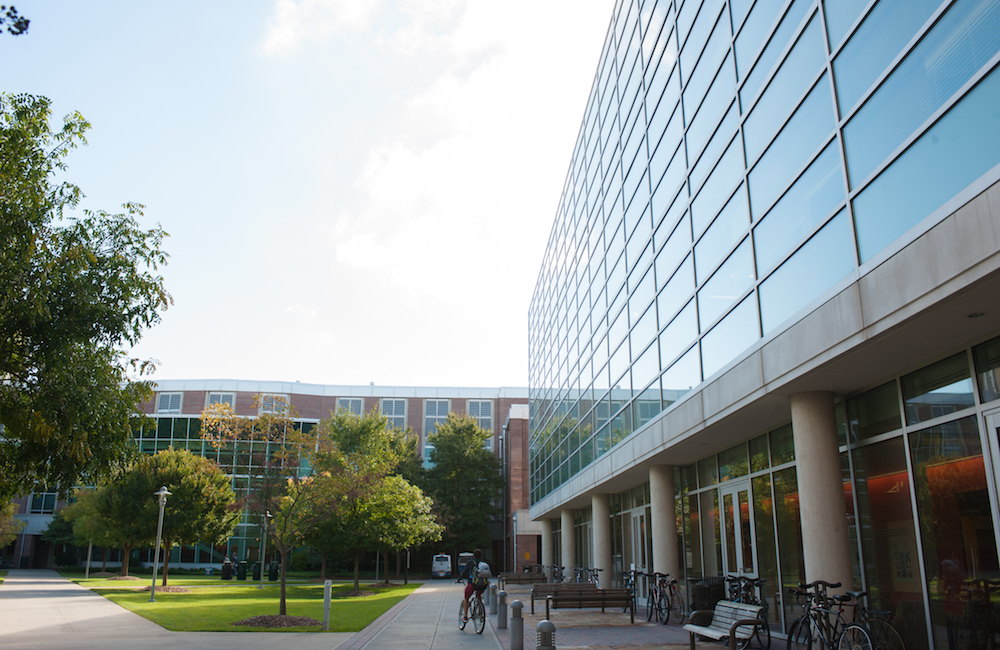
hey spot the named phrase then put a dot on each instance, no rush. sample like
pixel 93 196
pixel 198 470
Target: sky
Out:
pixel 355 191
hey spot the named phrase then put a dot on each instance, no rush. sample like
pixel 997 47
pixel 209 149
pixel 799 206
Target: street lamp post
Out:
pixel 263 545
pixel 163 494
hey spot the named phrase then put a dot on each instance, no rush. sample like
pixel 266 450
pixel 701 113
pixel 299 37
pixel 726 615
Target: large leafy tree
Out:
pixel 201 507
pixel 89 527
pixel 75 292
pixel 464 481
pixel 10 525
pixel 400 517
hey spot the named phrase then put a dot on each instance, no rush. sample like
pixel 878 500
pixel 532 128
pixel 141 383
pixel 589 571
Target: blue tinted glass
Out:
pixel 646 367
pixel 645 329
pixel 739 9
pixel 840 15
pixel 679 334
pixel 682 377
pixel 717 189
pixel 697 83
pixel 668 120
pixel 672 178
pixel 732 279
pixel 813 196
pixel 800 137
pixel 734 334
pixel 676 293
pixel 665 76
pixel 723 136
pixel 727 229
pixel 961 147
pixel 754 31
pixel 716 102
pixel 699 33
pixel 960 43
pixel 674 249
pixel 767 59
pixel 685 18
pixel 889 26
pixel 825 259
pixel 787 86
pixel 642 295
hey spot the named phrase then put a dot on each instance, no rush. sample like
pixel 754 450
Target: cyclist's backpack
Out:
pixel 483 573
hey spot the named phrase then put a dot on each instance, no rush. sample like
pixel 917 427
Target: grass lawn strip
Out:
pixel 213 605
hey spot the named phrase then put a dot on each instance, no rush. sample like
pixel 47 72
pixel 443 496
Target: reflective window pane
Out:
pixel 987 357
pixel 789 83
pixel 874 412
pixel 734 334
pixel 728 284
pixel 813 196
pixel 754 32
pixel 789 23
pixel 954 508
pixel 937 390
pixel 733 463
pixel 821 262
pixel 697 85
pixel 840 15
pixel 723 136
pixel 782 445
pixel 889 26
pixel 677 292
pixel 682 376
pixel 960 43
pixel 957 150
pixel 719 186
pixel 717 101
pixel 800 137
pixel 679 334
pixel 727 229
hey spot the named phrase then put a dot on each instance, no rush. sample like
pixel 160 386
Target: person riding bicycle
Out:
pixel 477 576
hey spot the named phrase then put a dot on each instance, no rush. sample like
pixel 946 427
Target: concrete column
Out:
pixel 664 520
pixel 601 525
pixel 825 540
pixel 547 555
pixel 568 535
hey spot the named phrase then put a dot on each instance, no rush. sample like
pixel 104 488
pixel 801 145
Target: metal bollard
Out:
pixel 502 611
pixel 516 626
pixel 493 599
pixel 327 592
pixel 546 636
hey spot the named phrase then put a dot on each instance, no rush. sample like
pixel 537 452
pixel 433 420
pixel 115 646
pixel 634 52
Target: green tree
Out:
pixel 10 525
pixel 16 24
pixel 400 517
pixel 464 481
pixel 75 293
pixel 201 507
pixel 89 526
pixel 301 506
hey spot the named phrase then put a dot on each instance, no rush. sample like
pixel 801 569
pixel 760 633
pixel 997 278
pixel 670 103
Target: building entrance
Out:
pixel 737 525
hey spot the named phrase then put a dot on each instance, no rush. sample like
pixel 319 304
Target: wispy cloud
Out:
pixel 294 22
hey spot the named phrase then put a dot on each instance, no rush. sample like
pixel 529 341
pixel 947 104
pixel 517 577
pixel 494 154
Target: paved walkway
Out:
pixel 41 609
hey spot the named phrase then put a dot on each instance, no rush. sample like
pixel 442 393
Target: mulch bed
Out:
pixel 118 577
pixel 276 620
pixel 169 589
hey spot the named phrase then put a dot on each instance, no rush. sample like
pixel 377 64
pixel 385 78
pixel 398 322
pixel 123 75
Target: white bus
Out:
pixel 441 566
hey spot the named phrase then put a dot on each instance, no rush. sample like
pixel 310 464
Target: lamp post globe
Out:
pixel 162 494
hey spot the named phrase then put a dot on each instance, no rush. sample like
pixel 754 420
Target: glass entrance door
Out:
pixel 737 529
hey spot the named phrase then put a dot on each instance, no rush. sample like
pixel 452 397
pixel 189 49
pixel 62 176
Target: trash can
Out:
pixel 227 571
pixel 706 592
pixel 256 571
pixel 272 572
pixel 241 571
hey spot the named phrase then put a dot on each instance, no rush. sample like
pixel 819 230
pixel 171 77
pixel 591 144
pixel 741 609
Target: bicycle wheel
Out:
pixel 800 635
pixel 855 637
pixel 479 615
pixel 761 634
pixel 662 608
pixel 677 607
pixel 461 617
pixel 651 604
pixel 884 635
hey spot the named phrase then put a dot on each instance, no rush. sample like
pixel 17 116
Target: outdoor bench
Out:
pixel 515 578
pixel 541 591
pixel 580 598
pixel 729 621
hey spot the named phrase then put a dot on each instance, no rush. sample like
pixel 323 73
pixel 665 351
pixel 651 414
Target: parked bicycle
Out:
pixel 593 575
pixel 664 599
pixel 630 581
pixel 878 623
pixel 749 590
pixel 822 625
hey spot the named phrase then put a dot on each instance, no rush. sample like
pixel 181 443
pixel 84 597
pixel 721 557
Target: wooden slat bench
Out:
pixel 580 598
pixel 515 578
pixel 729 621
pixel 541 591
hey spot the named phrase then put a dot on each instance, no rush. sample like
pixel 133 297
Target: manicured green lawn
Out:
pixel 213 605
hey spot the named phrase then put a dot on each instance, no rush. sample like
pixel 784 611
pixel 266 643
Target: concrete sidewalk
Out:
pixel 41 609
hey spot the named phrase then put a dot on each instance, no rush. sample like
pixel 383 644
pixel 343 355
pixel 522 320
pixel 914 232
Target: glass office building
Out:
pixel 767 315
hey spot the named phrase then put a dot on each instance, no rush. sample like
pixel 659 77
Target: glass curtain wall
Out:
pixel 723 179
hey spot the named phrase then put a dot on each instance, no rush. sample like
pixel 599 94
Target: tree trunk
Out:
pixel 357 571
pixel 385 556
pixel 282 609
pixel 104 564
pixel 399 563
pixel 126 551
pixel 166 563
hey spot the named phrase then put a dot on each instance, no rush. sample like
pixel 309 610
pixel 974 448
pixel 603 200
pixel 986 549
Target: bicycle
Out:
pixel 630 580
pixel 477 611
pixel 822 621
pixel 594 576
pixel 879 624
pixel 745 589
